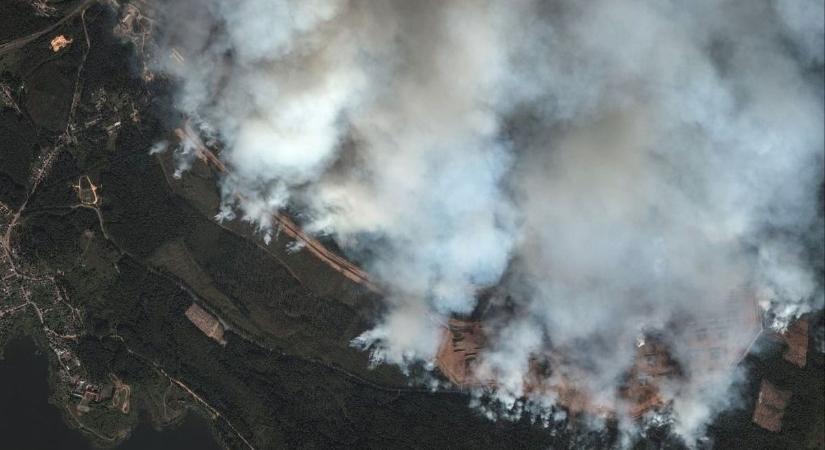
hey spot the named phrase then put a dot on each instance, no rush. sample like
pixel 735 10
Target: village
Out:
pixel 26 291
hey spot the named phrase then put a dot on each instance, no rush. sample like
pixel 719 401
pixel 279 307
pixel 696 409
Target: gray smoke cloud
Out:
pixel 611 167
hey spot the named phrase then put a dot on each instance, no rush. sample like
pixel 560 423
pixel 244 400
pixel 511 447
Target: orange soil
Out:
pixel 770 408
pixel 60 42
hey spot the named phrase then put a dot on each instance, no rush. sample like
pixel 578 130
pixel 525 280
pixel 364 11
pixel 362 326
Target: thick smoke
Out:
pixel 610 166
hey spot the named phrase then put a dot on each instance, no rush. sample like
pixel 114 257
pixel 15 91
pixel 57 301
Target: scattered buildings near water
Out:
pixel 89 393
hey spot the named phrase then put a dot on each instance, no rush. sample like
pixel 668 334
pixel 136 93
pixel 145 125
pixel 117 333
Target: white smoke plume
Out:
pixel 611 167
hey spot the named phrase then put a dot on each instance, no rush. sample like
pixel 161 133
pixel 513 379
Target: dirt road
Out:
pixel 286 224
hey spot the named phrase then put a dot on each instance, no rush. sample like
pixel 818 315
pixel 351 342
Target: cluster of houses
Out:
pixel 89 393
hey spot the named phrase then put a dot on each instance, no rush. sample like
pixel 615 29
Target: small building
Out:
pixel 770 407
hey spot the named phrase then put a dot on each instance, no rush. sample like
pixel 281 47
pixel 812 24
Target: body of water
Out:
pixel 29 422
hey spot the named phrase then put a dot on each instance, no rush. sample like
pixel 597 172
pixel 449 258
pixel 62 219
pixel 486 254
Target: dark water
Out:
pixel 29 422
pixel 192 434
